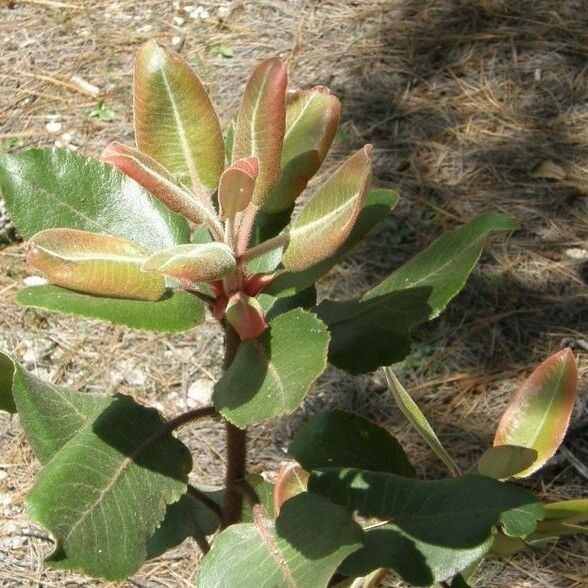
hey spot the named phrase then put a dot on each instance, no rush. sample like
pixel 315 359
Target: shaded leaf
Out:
pixel 312 117
pixel 50 415
pixel 50 189
pixel 206 262
pixel 575 510
pixel 539 413
pixel 105 492
pixel 505 461
pixel 342 439
pixel 417 419
pixel 271 375
pixel 275 306
pixel 417 562
pixel 327 219
pixel 159 181
pixel 378 204
pixel 259 130
pixel 431 510
pixel 6 376
pixel 95 264
pixel 186 518
pixel 246 316
pixel 178 311
pixel 175 122
pixel 302 549
pixel 374 330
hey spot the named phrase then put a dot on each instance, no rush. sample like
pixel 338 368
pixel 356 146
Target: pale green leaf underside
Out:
pixel 417 419
pixel 271 375
pixel 47 189
pixel 301 550
pixel 105 492
pixel 178 311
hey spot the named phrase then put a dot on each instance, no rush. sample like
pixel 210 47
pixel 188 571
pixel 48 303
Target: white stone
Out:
pixel 200 392
pixel 53 126
pixel 35 281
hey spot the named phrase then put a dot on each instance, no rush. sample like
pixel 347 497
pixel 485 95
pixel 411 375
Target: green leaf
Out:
pixel 567 517
pixel 259 131
pixel 417 562
pixel 102 265
pixel 374 330
pixel 539 413
pixel 6 377
pixel 342 439
pixel 301 550
pixel 270 376
pixel 431 510
pixel 378 204
pixel 175 122
pixel 48 189
pixel 160 182
pixel 435 528
pixel 105 492
pixel 505 461
pixel 50 415
pixel 327 219
pixel 206 262
pixel 312 117
pixel 178 311
pixel 186 518
pixel 275 306
pixel 102 112
pixel 417 419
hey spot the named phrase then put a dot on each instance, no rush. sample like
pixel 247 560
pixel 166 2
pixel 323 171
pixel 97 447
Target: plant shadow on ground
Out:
pixel 476 106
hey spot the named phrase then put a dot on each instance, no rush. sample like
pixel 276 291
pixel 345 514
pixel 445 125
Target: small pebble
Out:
pixel 177 43
pixel 54 126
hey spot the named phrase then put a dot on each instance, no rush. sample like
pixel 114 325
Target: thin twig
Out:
pixel 189 416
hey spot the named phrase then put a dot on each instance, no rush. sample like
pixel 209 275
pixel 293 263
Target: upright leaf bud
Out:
pixel 237 185
pixel 246 316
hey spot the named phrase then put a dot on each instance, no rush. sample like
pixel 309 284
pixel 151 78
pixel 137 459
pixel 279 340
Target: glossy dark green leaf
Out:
pixel 302 549
pixel 104 493
pixel 178 311
pixel 342 439
pixel 377 206
pixel 275 306
pixel 47 189
pixel 271 375
pixel 458 513
pixel 50 415
pixel 374 330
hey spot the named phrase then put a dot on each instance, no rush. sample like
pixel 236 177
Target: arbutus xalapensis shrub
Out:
pixel 190 220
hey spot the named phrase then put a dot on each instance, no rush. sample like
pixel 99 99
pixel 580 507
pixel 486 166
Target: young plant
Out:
pixel 150 237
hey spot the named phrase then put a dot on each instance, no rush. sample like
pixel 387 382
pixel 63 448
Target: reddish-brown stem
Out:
pixel 188 417
pixel 236 447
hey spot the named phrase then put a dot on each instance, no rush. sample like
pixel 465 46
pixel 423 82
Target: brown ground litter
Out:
pixel 473 105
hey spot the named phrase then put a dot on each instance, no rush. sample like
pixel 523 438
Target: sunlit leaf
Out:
pixel 105 492
pixel 291 481
pixel 539 412
pixel 342 439
pixel 377 205
pixel 270 376
pixel 95 264
pixel 159 181
pixel 246 316
pixel 204 262
pixel 50 415
pixel 51 189
pixel 259 130
pixel 312 117
pixel 176 311
pixel 327 219
pixel 302 549
pixel 237 185
pixel 175 122
pixel 505 461
pixel 373 330
pixel 417 419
